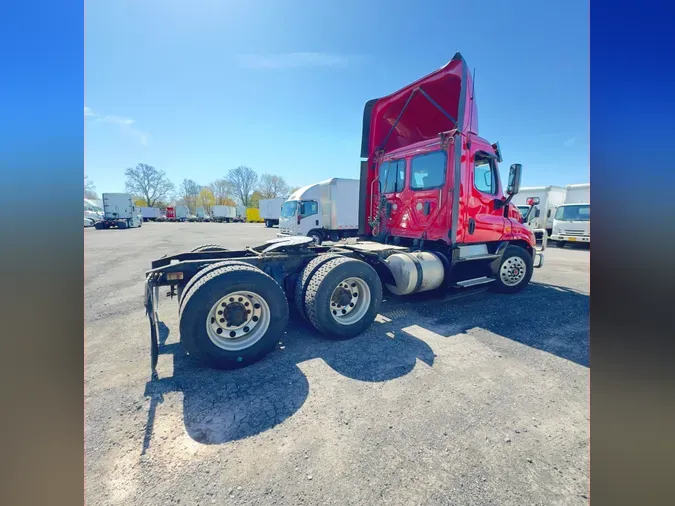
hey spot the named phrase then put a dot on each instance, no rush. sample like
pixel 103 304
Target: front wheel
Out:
pixel 515 270
pixel 316 237
pixel 343 297
pixel 233 317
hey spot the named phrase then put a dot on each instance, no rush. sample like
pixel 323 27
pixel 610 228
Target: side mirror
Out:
pixel 537 213
pixel 515 172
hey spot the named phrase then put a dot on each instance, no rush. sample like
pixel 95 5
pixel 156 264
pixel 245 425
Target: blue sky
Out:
pixel 197 88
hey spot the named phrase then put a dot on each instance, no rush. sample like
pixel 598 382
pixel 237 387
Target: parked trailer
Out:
pixel 253 215
pixel 119 211
pixel 226 214
pixel 572 222
pixel 182 213
pixel 150 213
pixel 233 305
pixel 328 210
pixel 545 200
pixel 270 211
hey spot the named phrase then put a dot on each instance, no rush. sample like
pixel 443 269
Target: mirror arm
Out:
pixel 506 205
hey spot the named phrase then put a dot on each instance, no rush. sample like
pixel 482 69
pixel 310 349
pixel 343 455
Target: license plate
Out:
pixel 573 239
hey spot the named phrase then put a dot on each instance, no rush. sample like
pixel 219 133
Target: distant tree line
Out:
pixel 151 187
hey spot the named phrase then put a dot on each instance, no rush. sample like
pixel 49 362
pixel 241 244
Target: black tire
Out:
pixel 98 225
pixel 207 291
pixel 121 225
pixel 186 289
pixel 209 247
pixel 511 252
pixel 268 224
pixel 321 286
pixel 304 278
pixel 317 236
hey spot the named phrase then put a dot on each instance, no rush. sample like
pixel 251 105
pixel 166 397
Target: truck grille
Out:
pixel 573 232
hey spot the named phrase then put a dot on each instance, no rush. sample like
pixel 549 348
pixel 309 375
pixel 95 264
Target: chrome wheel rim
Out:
pixel 513 271
pixel 238 320
pixel 350 301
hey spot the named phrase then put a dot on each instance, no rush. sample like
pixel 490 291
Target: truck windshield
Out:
pixel 523 210
pixel 573 213
pixel 289 209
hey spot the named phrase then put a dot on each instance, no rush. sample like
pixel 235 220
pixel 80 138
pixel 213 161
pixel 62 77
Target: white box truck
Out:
pixel 150 213
pixel 328 210
pixel 270 211
pixel 572 221
pixel 225 214
pixel 92 213
pixel 544 199
pixel 119 211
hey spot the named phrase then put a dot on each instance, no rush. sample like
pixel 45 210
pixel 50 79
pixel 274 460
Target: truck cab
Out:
pixel 300 213
pixel 572 221
pixel 429 180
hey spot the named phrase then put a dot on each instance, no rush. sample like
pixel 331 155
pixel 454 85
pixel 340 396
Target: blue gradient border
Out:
pixel 632 273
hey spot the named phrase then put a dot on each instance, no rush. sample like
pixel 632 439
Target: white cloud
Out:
pixel 295 60
pixel 125 124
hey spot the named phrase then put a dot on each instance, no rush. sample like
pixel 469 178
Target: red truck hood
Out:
pixel 439 102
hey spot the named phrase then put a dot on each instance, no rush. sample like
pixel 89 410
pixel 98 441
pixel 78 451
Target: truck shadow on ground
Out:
pixel 223 406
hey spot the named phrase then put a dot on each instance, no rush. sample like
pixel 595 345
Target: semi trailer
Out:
pixel 432 216
pixel 150 213
pixel 119 211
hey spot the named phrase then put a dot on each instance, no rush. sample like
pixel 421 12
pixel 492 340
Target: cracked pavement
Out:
pixel 476 400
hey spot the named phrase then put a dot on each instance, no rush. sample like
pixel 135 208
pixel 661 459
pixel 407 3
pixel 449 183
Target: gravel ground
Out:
pixel 473 401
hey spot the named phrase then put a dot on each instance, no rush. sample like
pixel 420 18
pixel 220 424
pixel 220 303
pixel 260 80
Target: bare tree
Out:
pixel 272 186
pixel 243 181
pixel 189 193
pixel 89 188
pixel 221 190
pixel 148 183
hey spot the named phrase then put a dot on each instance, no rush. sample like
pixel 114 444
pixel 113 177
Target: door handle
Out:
pixel 472 225
pixel 317 222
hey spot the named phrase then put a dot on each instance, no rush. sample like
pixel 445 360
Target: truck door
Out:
pixel 483 222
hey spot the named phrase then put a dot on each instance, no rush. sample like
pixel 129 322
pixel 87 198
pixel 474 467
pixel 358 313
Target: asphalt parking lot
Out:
pixel 471 401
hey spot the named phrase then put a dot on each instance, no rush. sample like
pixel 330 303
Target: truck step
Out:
pixel 483 280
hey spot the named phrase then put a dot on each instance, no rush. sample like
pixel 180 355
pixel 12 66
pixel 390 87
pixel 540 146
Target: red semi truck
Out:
pixel 433 215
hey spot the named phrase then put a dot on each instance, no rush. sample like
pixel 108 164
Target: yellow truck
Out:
pixel 253 215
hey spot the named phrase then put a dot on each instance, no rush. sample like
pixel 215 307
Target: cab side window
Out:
pixel 484 175
pixel 427 171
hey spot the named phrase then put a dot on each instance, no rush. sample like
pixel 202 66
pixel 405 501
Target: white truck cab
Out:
pixel 328 210
pixel 572 221
pixel 92 213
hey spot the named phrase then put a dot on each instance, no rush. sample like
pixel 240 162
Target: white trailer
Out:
pixel 119 211
pixel 270 211
pixel 182 213
pixel 241 213
pixel 224 213
pixel 328 210
pixel 150 213
pixel 544 199
pixel 572 222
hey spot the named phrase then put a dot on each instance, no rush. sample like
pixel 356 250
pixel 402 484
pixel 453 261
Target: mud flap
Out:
pixel 151 311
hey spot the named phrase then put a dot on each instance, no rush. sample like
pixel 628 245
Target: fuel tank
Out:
pixel 415 272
